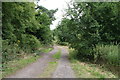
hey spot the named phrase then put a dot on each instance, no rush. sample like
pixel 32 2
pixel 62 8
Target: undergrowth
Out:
pixel 86 69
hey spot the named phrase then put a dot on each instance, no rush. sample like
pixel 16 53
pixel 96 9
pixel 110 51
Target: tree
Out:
pixel 24 28
pixel 90 24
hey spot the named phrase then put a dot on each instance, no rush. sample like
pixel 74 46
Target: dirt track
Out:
pixel 35 69
pixel 64 70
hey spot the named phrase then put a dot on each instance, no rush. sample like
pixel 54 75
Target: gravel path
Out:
pixel 64 70
pixel 35 69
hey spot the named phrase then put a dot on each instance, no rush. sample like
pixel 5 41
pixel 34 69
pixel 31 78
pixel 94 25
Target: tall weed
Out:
pixel 109 53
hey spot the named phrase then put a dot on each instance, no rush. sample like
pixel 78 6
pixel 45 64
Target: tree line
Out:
pixel 25 28
pixel 93 30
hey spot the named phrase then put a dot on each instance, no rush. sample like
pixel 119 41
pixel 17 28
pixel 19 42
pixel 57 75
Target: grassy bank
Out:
pixel 12 66
pixel 88 69
pixel 15 65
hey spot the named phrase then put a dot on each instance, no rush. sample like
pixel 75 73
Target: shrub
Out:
pixel 72 54
pixel 62 43
pixel 30 42
pixel 9 51
pixel 108 53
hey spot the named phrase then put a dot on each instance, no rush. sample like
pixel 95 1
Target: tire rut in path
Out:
pixel 63 69
pixel 36 68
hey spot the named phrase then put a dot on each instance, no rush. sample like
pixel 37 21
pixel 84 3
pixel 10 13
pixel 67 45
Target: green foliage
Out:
pixel 86 25
pixel 72 54
pixel 0 49
pixel 107 53
pixel 30 42
pixel 44 17
pixel 16 19
pixel 62 43
pixel 85 69
pixel 10 52
pixel 62 32
pixel 25 28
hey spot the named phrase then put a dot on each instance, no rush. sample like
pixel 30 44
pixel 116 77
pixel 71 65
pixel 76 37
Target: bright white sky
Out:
pixel 54 4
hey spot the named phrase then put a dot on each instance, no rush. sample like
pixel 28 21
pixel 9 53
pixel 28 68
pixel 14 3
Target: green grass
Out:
pixel 15 65
pixel 88 70
pixel 46 50
pixel 85 70
pixel 49 70
pixel 12 66
pixel 57 55
pixel 51 66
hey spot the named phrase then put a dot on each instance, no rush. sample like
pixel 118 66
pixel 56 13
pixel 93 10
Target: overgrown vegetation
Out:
pixel 25 29
pixel 92 30
pixel 24 59
pixel 85 69
pixel 88 70
pixel 108 53
pixel 15 65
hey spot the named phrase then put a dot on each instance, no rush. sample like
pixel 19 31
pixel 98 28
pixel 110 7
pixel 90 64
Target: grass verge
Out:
pixel 15 65
pixel 49 70
pixel 86 70
pixel 46 50
pixel 51 66
pixel 57 55
pixel 89 70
